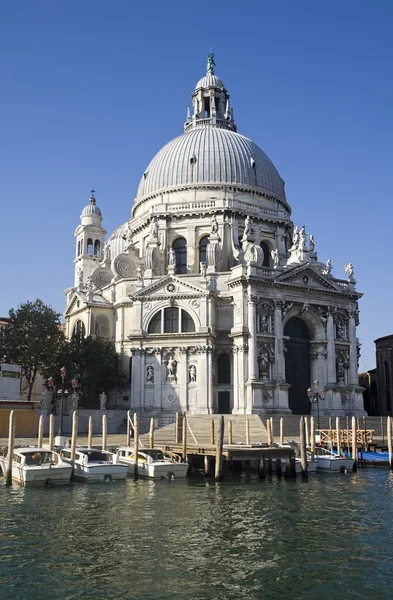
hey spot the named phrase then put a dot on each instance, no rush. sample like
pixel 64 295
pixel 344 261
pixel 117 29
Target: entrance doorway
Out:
pixel 297 366
pixel 224 403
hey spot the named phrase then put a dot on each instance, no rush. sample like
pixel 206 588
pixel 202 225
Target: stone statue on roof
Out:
pixel 210 64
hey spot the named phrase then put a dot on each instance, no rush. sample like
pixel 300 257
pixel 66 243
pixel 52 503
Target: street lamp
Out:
pixel 60 438
pixel 315 397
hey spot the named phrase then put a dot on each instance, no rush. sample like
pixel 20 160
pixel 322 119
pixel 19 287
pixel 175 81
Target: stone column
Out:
pixel 331 350
pixel 209 371
pixel 278 343
pixel 353 352
pixel 235 386
pixel 252 340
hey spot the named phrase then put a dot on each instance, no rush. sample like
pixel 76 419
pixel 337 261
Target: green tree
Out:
pixel 94 363
pixel 32 339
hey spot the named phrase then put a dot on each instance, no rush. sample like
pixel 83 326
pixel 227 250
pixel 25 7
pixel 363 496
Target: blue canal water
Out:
pixel 330 538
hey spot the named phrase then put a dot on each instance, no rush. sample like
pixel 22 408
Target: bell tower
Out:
pixel 90 236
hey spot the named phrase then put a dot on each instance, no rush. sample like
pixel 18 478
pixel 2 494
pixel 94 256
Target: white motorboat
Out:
pixel 330 462
pixel 153 463
pixel 92 465
pixel 32 466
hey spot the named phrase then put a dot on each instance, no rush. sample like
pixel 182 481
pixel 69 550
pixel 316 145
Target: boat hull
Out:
pixel 46 475
pixel 159 470
pixel 95 473
pixel 334 464
pixel 311 465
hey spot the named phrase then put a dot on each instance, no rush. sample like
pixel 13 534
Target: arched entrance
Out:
pixel 297 365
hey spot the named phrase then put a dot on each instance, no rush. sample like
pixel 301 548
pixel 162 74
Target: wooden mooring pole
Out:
pixel 90 433
pixel 184 438
pixel 128 434
pixel 136 445
pixel 104 431
pixel 212 438
pixel 389 434
pixel 303 450
pixel 10 452
pixel 151 433
pixel 40 431
pixel 348 442
pixel 220 443
pixel 247 432
pixel 73 439
pixel 331 432
pixel 354 444
pixel 269 432
pixel 338 430
pixel 177 428
pixel 272 429
pixel 312 428
pixel 51 431
pixel 382 432
pixel 281 431
pixel 306 432
pixel 230 432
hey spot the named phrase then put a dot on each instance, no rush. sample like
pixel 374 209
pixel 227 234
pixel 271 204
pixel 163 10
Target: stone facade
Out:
pixel 215 301
pixel 384 374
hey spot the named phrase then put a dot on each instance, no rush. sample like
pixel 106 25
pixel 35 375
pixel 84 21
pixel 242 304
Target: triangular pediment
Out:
pixel 81 298
pixel 172 286
pixel 307 276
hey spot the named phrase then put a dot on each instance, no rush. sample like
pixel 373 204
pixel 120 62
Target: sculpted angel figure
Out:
pixel 154 227
pixel 302 238
pixel 312 242
pixel 328 267
pixel 295 238
pixel 349 270
pixel 172 257
pixel 247 225
pixel 214 225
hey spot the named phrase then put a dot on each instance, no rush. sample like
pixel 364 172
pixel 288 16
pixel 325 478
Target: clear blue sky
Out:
pixel 91 90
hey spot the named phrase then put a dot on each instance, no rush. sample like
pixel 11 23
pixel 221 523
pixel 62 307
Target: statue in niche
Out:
pixel 149 374
pixel 276 258
pixel 340 370
pixel 213 225
pixel 172 257
pixel 139 274
pixel 263 323
pixel 312 243
pixel 263 364
pixel 328 267
pixel 103 401
pixel 154 227
pixel 202 266
pixel 302 238
pixel 75 400
pixel 247 225
pixel 171 367
pixel 295 238
pixel 192 373
pixel 340 331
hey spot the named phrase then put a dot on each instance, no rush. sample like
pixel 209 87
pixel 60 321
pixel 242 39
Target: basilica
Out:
pixel 216 301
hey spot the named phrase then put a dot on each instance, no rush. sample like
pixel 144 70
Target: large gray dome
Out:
pixel 211 155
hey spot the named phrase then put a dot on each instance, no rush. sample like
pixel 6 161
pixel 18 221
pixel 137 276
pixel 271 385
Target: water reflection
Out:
pixel 242 538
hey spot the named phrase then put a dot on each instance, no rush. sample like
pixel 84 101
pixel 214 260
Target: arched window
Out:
pixel 97 247
pixel 155 323
pixel 79 330
pixel 203 242
pixel 224 369
pixel 266 254
pixel 171 320
pixel 89 246
pixel 180 248
pixel 78 248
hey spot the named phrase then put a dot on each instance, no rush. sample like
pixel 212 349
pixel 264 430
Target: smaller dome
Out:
pixel 91 208
pixel 210 80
